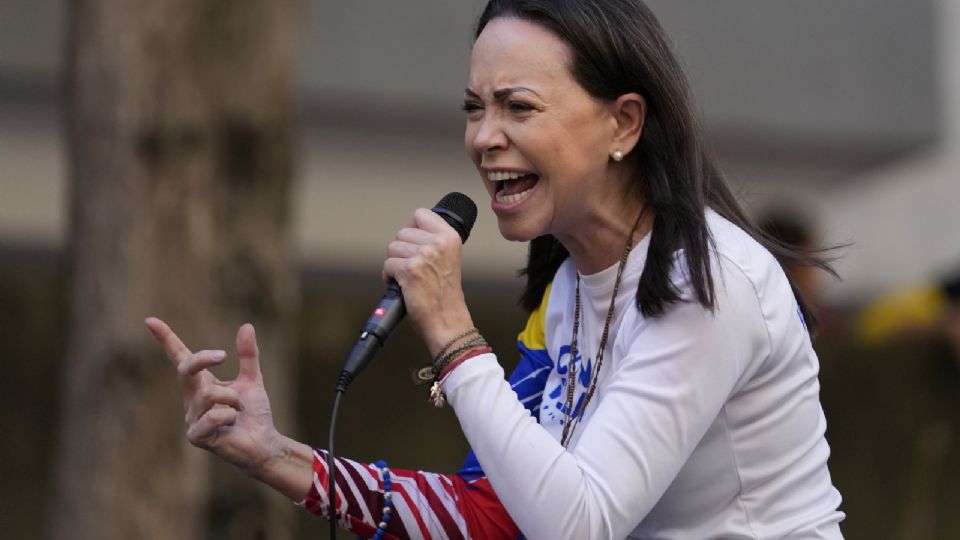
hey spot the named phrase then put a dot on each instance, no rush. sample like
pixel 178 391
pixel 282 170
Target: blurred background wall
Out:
pixel 844 113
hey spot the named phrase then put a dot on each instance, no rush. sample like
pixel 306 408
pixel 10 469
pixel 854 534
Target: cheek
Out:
pixel 580 160
pixel 469 134
pixel 583 140
pixel 550 144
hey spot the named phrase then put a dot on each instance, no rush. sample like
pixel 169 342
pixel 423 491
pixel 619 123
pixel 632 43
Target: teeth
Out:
pixel 511 199
pixel 500 176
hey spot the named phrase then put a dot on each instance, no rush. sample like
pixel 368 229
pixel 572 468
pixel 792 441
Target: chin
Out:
pixel 516 232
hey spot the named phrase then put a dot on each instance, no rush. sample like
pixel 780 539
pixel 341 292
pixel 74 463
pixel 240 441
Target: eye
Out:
pixel 471 106
pixel 520 107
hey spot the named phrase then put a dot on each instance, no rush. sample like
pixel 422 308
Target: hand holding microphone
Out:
pixel 424 262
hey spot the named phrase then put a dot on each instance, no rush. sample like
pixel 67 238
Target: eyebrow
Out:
pixel 504 92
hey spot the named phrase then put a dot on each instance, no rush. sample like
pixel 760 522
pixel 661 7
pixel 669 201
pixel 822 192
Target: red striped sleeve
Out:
pixel 426 505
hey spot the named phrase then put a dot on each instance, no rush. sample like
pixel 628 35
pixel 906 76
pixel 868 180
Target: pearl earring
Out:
pixel 617 155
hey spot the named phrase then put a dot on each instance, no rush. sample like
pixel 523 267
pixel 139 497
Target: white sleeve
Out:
pixel 677 373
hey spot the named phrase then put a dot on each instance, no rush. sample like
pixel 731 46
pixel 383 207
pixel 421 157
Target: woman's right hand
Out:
pixel 231 419
pixel 424 259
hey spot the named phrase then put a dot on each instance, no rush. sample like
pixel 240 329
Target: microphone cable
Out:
pixel 460 212
pixel 331 464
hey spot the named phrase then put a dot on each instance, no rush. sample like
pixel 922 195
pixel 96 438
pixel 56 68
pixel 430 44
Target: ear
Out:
pixel 629 111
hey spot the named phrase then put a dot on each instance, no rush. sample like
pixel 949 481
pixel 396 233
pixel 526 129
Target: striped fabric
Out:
pixel 430 505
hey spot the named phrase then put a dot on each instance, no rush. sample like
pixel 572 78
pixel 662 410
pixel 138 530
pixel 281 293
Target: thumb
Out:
pixel 248 353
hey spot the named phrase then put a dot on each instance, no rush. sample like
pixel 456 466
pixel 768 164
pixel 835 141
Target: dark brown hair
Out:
pixel 619 47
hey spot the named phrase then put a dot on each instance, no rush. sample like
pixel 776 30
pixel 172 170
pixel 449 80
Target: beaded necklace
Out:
pixel 570 421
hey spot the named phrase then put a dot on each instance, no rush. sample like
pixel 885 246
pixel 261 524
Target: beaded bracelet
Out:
pixel 387 501
pixel 466 346
pixel 428 374
pixel 453 365
pixel 453 340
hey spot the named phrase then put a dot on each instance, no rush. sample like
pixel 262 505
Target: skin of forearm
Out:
pixel 289 470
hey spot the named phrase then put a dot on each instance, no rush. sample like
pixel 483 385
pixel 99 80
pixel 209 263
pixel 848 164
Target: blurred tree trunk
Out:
pixel 180 161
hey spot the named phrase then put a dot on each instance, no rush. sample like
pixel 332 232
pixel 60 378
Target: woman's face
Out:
pixel 539 141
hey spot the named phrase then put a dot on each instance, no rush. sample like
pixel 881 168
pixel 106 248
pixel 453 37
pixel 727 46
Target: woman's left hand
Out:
pixel 424 260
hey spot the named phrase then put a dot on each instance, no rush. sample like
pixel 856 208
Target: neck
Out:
pixel 599 244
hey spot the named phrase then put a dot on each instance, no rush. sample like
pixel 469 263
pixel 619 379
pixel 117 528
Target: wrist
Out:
pixel 447 335
pixel 287 467
pixel 472 353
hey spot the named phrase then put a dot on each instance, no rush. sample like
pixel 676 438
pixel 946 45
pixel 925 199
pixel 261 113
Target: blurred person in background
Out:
pixel 925 310
pixel 667 385
pixel 795 231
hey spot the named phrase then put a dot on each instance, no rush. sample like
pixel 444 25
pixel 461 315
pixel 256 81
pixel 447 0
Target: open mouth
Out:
pixel 512 187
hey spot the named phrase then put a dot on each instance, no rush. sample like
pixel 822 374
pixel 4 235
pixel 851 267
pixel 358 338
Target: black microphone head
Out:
pixel 459 211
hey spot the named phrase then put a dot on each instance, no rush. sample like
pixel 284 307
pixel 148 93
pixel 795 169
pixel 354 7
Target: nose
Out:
pixel 489 136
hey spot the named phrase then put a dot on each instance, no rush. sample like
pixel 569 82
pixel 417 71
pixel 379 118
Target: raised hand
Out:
pixel 231 419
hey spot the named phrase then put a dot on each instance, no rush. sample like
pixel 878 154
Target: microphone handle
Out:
pixel 385 317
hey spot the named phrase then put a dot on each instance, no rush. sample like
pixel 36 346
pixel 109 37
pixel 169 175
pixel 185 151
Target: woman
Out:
pixel 667 387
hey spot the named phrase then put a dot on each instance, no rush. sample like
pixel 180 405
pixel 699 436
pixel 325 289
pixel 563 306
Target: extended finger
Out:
pixel 196 363
pixel 202 432
pixel 176 351
pixel 211 395
pixel 248 353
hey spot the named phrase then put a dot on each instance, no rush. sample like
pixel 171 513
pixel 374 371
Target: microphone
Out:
pixel 460 213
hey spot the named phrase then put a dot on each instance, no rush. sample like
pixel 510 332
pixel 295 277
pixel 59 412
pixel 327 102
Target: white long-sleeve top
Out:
pixel 703 425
